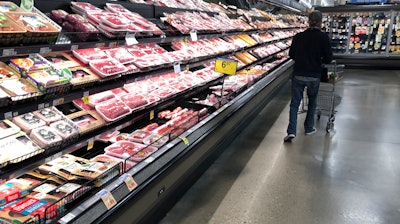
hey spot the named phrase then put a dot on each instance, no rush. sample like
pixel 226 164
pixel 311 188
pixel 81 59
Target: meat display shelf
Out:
pixel 94 210
pixel 18 109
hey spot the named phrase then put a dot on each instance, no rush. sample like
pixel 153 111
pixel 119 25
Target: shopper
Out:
pixel 310 49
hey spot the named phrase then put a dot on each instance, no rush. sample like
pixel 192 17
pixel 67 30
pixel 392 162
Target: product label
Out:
pixel 63 128
pixel 46 135
pixel 30 118
pixel 47 113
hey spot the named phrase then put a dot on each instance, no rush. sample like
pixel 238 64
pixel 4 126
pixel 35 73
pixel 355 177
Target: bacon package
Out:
pixel 28 121
pixel 49 115
pixel 45 137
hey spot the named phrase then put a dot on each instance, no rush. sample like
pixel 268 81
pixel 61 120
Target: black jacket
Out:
pixel 309 50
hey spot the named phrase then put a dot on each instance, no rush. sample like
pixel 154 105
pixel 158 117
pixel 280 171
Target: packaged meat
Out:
pixel 10 32
pixel 82 105
pixel 113 109
pixel 6 72
pixel 29 64
pixel 58 15
pixel 136 102
pixel 8 128
pixel 17 87
pixel 6 6
pixel 64 129
pixel 107 159
pixel 143 154
pixel 100 97
pixel 84 7
pixel 106 137
pixel 47 78
pixel 139 135
pixel 45 137
pixel 13 147
pixel 119 92
pixel 89 54
pixel 28 121
pixel 75 19
pixel 156 140
pixel 20 186
pixel 82 77
pixel 108 67
pixel 150 127
pixel 61 60
pixel 86 31
pixel 121 54
pixel 87 121
pixel 120 137
pixel 116 22
pixel 116 8
pixel 33 22
pixel 123 149
pixel 49 114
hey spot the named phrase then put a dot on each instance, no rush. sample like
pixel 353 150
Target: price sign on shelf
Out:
pixel 130 39
pixel 129 181
pixel 107 198
pixel 226 66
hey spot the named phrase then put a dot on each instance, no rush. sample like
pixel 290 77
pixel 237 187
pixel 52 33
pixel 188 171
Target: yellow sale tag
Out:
pixel 107 198
pixel 226 66
pixel 86 99
pixel 185 140
pixel 90 144
pixel 152 115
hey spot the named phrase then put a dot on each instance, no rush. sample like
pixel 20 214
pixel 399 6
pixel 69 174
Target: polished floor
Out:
pixel 351 175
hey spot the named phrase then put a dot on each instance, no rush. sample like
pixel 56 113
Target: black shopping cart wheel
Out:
pixel 329 127
pixel 318 115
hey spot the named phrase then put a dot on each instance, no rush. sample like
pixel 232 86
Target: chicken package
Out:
pixel 49 115
pixel 28 121
pixel 45 137
pixel 113 109
pixel 64 129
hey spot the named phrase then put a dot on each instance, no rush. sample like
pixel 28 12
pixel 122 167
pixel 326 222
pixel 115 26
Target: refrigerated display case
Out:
pixel 180 141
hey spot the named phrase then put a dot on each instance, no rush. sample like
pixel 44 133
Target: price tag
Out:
pixel 185 140
pixel 27 5
pixel 90 144
pixel 74 47
pixel 151 114
pixel 129 181
pixel 130 39
pixel 226 66
pixel 8 115
pixel 100 45
pixel 44 50
pixel 107 198
pixel 58 101
pixel 9 52
pixel 177 67
pixel 86 97
pixel 193 35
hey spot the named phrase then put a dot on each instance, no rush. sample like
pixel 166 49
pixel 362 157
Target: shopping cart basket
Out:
pixel 327 99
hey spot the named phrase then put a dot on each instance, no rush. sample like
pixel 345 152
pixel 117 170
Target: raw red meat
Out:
pixel 150 127
pixel 123 149
pixel 143 154
pixel 83 6
pixel 108 67
pixel 112 110
pixel 89 54
pixel 100 97
pixel 140 135
pixel 121 54
pixel 135 102
pixel 116 22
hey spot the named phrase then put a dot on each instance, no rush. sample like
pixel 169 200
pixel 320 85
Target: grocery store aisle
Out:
pixel 351 175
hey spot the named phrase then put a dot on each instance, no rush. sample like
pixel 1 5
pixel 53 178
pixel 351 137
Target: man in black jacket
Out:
pixel 309 50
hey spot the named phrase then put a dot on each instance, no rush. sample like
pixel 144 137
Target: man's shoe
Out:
pixel 289 137
pixel 311 132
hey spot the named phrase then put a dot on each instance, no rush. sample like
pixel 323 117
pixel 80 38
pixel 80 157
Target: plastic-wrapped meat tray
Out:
pixel 113 110
pixel 137 102
pixel 83 7
pixel 116 8
pixel 124 149
pixel 108 67
pixel 100 97
pixel 90 54
pixel 121 54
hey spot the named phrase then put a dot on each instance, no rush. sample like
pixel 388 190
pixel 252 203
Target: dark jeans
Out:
pixel 297 95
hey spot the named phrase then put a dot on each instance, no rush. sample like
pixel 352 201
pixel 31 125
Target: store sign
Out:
pixel 226 66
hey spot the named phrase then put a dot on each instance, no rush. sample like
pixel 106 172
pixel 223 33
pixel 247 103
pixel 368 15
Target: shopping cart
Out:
pixel 327 99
